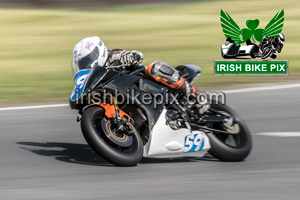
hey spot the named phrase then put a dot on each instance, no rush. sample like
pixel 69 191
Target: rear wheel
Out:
pixel 115 147
pixel 235 147
pixel 254 51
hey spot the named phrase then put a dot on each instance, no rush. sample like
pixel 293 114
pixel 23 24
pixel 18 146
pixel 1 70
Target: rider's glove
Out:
pixel 126 58
pixel 138 57
pixel 131 57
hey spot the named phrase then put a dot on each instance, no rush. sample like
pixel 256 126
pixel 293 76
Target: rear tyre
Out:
pixel 118 149
pixel 254 51
pixel 230 148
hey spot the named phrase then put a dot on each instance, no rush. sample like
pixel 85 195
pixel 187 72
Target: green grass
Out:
pixel 36 45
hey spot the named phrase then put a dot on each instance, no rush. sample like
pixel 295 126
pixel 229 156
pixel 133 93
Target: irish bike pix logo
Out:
pixel 252 50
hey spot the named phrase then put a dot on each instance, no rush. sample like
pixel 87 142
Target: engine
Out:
pixel 174 119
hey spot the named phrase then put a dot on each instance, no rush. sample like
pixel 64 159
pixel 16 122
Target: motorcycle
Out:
pixel 124 132
pixel 231 50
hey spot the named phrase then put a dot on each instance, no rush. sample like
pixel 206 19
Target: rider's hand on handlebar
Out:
pixel 131 58
pixel 127 58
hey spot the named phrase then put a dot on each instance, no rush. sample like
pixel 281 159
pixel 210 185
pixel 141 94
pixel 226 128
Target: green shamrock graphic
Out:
pixel 251 31
pixel 232 30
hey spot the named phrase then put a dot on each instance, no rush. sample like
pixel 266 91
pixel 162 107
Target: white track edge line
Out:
pixel 279 134
pixel 33 107
pixel 253 89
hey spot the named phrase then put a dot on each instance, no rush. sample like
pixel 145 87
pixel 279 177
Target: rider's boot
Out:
pixel 196 98
pixel 202 103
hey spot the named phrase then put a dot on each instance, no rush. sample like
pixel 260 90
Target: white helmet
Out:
pixel 281 37
pixel 87 51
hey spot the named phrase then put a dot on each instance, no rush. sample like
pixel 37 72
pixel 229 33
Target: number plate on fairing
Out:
pixel 81 78
pixel 193 142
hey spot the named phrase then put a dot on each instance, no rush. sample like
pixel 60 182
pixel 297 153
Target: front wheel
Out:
pixel 230 148
pixel 266 53
pixel 115 147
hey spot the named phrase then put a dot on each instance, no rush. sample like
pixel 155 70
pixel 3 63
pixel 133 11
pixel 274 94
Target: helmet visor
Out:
pixel 85 62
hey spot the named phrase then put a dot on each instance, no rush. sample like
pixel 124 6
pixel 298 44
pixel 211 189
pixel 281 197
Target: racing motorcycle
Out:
pixel 269 49
pixel 123 132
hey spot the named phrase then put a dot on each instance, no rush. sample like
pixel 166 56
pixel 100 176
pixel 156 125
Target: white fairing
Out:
pixel 245 49
pixel 165 142
pixel 225 48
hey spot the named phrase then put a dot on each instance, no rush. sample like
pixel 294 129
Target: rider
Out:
pixel 90 49
pixel 277 43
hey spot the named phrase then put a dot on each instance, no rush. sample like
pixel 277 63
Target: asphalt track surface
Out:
pixel 44 156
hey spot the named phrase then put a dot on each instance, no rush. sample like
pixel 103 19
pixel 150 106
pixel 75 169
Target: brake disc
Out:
pixel 120 139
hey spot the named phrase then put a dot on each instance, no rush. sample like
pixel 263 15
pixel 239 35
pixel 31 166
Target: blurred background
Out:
pixel 37 38
pixel 43 153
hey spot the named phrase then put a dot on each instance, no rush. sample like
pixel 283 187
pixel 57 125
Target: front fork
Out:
pixel 123 124
pixel 119 118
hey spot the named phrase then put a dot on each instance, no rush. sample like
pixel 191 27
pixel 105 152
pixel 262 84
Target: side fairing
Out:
pixel 245 50
pixel 165 142
pixel 134 87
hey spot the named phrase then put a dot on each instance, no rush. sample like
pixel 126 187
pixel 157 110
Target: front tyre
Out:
pixel 117 148
pixel 230 148
pixel 266 53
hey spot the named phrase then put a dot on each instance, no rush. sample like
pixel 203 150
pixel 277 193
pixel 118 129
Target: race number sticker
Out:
pixel 81 81
pixel 81 78
pixel 194 142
